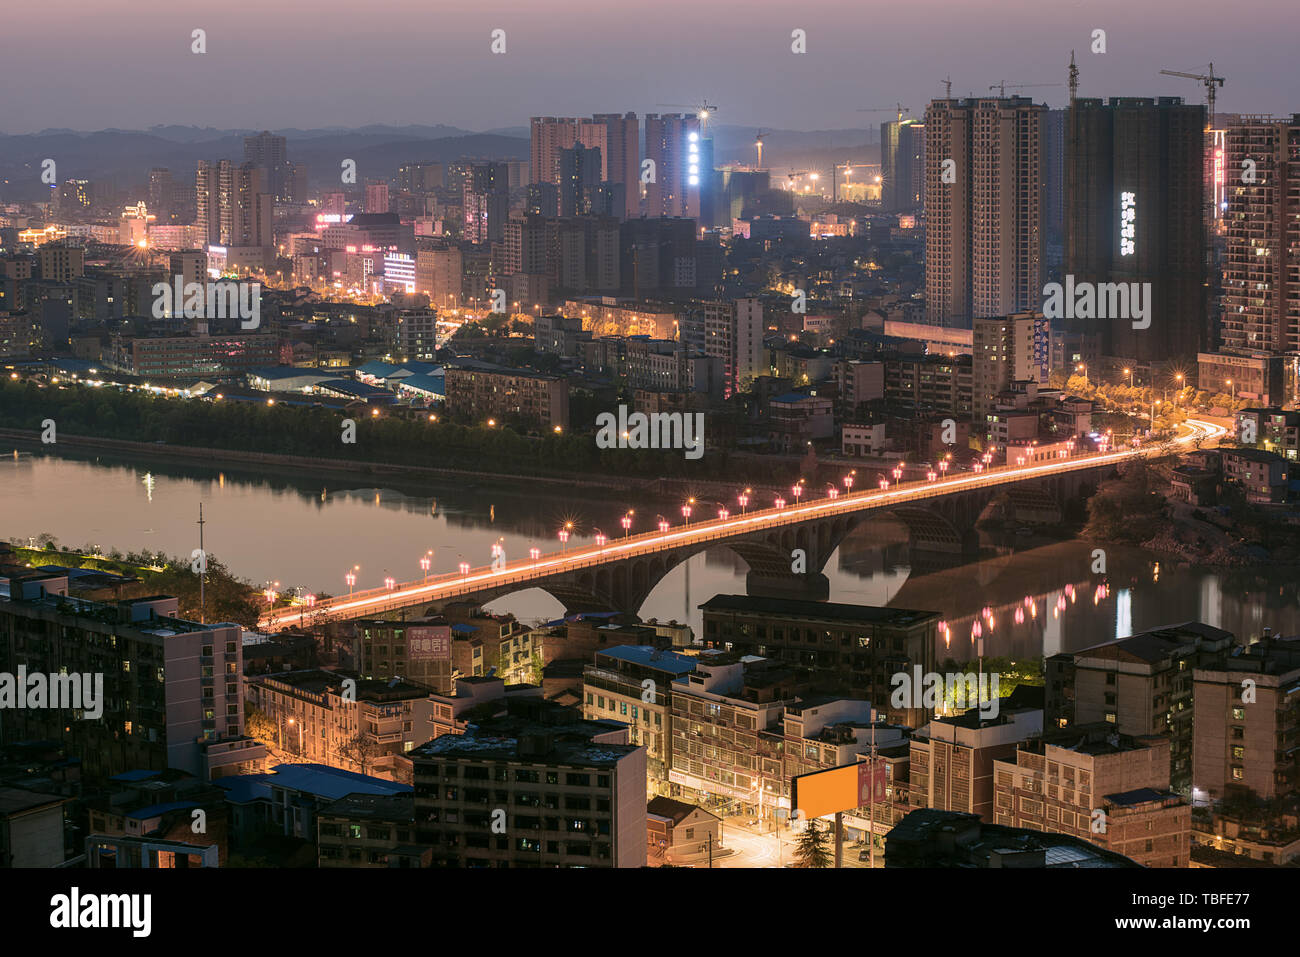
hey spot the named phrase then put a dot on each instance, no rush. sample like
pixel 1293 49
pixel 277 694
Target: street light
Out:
pixel 351 578
pixel 744 500
pixel 796 491
pixel 780 502
pixel 600 538
pixel 464 569
pixel 534 553
pixel 564 537
pixel 832 492
pixel 390 583
pixel 848 480
pixel 884 484
pixel 626 522
pixel 686 511
pixel 424 565
pixel 723 514
pixel 663 524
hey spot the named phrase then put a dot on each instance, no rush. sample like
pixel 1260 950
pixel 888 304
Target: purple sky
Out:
pixel 87 64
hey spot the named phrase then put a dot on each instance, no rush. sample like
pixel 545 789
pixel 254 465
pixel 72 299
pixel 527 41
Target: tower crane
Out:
pixel 1209 79
pixel 1001 87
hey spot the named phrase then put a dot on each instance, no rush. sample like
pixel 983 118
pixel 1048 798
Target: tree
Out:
pixel 360 749
pixel 257 724
pixel 811 850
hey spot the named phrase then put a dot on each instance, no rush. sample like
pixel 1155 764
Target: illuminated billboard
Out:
pixel 1128 223
pixel 838 789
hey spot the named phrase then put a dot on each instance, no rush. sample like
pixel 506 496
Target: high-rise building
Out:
pixel 579 175
pixel 550 135
pixel 376 197
pixel 984 208
pixel 439 273
pixel 622 154
pixel 160 193
pixel 421 177
pixel 1261 268
pixel 673 145
pixel 486 202
pixel 1135 213
pixel 234 206
pixel 902 166
pixel 269 152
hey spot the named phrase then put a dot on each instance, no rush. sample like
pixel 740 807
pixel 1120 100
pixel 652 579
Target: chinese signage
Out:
pixel 428 643
pixel 1127 222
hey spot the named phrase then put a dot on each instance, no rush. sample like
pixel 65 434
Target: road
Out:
pixel 378 600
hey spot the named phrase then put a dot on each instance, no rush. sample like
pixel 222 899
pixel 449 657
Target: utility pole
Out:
pixel 871 797
pixel 203 569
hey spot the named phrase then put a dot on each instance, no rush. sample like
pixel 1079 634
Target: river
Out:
pixel 1040 598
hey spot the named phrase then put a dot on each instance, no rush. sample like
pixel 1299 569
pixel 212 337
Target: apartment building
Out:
pixel 481 391
pixel 1140 685
pixel 343 721
pixel 850 649
pixel 171 687
pixel 1246 724
pixel 720 713
pixel 365 830
pixel 417 650
pixel 1007 349
pixel 539 787
pixel 985 207
pixel 952 758
pixel 474 699
pixel 1101 786
pixel 940 384
pixel 632 684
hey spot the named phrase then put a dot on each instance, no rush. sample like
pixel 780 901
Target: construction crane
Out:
pixel 1002 86
pixel 812 174
pixel 702 110
pixel 898 109
pixel 758 142
pixel 1210 81
pixel 947 86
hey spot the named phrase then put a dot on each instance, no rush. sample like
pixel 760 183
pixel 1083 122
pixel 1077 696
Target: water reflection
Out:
pixel 1024 601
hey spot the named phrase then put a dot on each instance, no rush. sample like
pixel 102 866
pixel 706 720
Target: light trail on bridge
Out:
pixel 379 600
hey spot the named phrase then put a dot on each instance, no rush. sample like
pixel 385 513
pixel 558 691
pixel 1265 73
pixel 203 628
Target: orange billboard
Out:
pixel 839 789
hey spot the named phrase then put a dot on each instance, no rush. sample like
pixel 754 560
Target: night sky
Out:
pixel 87 64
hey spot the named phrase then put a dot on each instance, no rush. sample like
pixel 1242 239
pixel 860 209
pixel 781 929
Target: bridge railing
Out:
pixel 630 546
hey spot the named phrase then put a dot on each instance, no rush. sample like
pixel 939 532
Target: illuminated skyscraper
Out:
pixel 622 155
pixel 674 145
pixel 486 202
pixel 268 151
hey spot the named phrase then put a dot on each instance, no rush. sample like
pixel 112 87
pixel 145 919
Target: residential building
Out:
pixel 1246 724
pixel 171 687
pixel 680 834
pixel 984 208
pixel 539 787
pixel 417 650
pixel 853 649
pixel 339 720
pixel 953 757
pixel 1140 685
pixel 480 391
pixel 364 830
pixel 1261 289
pixel 930 838
pixel 1101 786
pixel 631 684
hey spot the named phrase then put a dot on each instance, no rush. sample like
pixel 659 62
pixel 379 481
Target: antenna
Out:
pixel 1074 79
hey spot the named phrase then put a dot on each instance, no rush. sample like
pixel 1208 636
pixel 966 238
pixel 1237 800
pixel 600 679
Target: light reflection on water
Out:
pixel 1037 600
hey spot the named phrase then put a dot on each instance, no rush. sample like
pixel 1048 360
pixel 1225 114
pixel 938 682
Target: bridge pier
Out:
pixel 812 586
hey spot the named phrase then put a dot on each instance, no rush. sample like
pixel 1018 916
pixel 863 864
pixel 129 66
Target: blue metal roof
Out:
pixel 156 810
pixel 332 783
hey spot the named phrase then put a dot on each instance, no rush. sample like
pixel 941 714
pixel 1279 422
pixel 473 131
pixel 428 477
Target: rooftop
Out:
pixel 819 610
